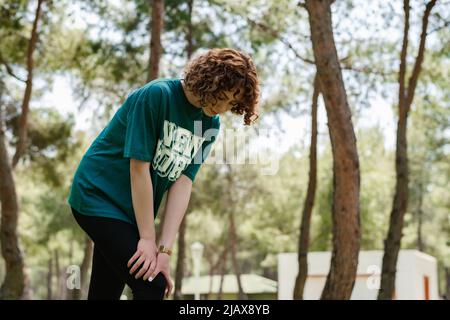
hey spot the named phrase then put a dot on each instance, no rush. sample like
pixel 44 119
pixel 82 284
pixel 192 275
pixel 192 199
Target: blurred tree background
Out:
pixel 92 54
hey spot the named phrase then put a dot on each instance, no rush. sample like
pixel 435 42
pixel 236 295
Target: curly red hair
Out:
pixel 224 69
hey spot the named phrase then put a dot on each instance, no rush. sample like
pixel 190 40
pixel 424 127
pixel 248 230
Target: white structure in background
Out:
pixel 416 275
pixel 257 287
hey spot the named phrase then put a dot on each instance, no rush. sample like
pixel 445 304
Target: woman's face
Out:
pixel 222 106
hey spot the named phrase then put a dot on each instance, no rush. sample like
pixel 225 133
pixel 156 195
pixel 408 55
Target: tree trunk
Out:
pixel 223 270
pixel 49 279
pixel 157 25
pixel 233 243
pixel 420 244
pixel 303 242
pixel 211 274
pixel 27 289
pixel 85 265
pixel 189 30
pixel 447 283
pixel 14 281
pixel 346 180
pixel 230 209
pixel 11 288
pixel 59 292
pixel 70 293
pixel 406 95
pixel 181 260
pixel 213 269
pixel 23 121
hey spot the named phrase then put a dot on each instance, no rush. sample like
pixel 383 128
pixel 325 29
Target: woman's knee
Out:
pixel 146 290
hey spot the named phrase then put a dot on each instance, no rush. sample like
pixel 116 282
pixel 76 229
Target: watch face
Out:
pixel 163 249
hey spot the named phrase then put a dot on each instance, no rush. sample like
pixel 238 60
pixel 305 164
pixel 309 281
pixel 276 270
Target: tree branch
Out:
pixel 301 4
pixel 23 120
pixel 446 24
pixel 402 71
pixel 366 70
pixel 412 83
pixel 277 35
pixel 9 70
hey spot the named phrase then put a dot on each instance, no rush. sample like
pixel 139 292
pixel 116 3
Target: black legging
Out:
pixel 115 242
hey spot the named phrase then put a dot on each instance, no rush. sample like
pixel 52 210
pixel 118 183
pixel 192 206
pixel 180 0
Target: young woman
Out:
pixel 153 145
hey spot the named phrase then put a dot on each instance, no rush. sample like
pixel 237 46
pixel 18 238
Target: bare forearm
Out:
pixel 142 196
pixel 177 202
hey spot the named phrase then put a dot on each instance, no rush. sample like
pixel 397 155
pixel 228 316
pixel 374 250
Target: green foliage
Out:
pixel 106 56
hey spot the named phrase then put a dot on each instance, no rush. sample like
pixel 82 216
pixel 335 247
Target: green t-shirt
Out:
pixel 157 124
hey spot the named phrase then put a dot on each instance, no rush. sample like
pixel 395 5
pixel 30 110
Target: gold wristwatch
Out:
pixel 164 249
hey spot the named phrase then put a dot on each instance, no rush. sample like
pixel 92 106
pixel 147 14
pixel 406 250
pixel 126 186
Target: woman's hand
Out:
pixel 146 256
pixel 163 266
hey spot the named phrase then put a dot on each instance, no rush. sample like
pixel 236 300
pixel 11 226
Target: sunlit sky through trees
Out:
pixel 295 128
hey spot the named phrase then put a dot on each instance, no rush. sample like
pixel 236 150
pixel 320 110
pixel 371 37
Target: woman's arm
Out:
pixel 176 205
pixel 142 197
pixel 177 202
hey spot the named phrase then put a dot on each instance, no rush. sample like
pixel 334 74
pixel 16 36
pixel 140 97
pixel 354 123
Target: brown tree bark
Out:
pixel 406 95
pixel 69 293
pixel 237 270
pixel 207 295
pixel 181 260
pixel 223 270
pixel 189 30
pixel 157 25
pixel 233 233
pixel 419 213
pixel 14 281
pixel 85 265
pixel 23 121
pixel 59 282
pixel 50 279
pixel 346 180
pixel 447 283
pixel 212 272
pixel 303 243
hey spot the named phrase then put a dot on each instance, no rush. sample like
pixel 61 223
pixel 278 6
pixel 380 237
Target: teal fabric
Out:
pixel 157 124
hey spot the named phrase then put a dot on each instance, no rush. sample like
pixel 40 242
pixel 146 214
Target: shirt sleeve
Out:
pixel 142 123
pixel 210 137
